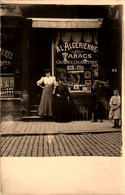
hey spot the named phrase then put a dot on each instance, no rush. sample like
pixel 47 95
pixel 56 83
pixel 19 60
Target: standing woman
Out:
pixel 48 84
pixel 62 111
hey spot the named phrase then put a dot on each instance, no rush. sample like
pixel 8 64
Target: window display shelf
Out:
pixel 77 91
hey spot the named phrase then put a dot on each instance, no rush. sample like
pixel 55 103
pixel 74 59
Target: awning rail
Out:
pixel 66 23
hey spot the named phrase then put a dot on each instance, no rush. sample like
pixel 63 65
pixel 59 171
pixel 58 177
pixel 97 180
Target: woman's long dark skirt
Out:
pixel 61 109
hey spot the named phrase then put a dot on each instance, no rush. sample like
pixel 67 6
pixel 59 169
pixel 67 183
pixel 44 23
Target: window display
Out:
pixel 7 85
pixel 77 59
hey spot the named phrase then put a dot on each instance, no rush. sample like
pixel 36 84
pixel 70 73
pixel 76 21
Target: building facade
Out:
pixel 79 43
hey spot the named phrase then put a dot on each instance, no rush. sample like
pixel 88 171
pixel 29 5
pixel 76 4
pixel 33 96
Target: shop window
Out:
pixel 10 62
pixel 77 59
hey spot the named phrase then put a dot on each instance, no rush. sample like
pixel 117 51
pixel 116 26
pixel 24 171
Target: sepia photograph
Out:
pixel 61 79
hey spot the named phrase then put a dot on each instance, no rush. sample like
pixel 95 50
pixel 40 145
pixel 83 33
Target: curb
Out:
pixel 58 133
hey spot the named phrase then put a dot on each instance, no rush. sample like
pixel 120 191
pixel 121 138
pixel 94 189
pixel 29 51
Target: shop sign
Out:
pixel 76 45
pixel 75 62
pixel 76 53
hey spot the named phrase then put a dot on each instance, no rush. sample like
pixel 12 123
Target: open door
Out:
pixel 39 59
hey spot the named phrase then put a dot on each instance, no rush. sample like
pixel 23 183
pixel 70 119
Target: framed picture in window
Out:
pixel 87 74
pixel 88 89
pixel 88 82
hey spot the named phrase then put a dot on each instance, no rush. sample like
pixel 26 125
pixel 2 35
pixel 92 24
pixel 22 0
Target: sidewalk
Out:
pixel 32 128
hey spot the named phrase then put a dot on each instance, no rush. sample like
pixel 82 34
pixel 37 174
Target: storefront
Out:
pixel 77 62
pixel 73 48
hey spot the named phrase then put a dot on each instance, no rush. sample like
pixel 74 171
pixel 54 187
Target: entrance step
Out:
pixel 33 110
pixel 37 118
pixel 34 107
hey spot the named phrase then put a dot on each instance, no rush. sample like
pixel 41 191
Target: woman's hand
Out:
pixel 41 86
pixel 54 90
pixel 58 95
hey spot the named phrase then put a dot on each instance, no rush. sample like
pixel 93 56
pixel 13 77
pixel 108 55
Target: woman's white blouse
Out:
pixel 47 81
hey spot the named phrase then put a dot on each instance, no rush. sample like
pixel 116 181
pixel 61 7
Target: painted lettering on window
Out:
pixel 6 57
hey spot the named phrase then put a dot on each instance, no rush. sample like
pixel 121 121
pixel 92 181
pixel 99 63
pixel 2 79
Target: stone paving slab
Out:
pixel 32 128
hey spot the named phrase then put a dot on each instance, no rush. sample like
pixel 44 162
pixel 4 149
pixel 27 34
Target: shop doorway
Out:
pixel 39 59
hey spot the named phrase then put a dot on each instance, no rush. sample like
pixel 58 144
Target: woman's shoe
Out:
pixel 94 121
